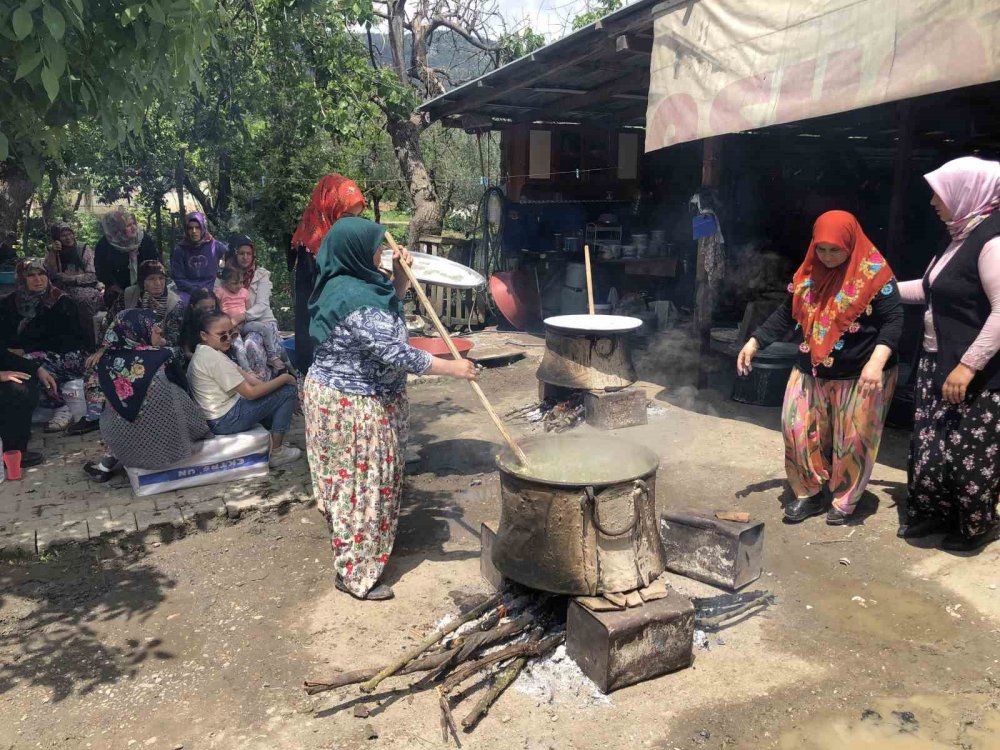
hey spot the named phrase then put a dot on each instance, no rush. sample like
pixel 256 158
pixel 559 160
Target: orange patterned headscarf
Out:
pixel 333 197
pixel 826 302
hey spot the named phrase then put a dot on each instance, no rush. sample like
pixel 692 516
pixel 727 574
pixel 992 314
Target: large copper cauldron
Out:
pixel 580 518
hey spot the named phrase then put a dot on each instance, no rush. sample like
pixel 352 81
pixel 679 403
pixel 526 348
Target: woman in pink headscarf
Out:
pixel 954 472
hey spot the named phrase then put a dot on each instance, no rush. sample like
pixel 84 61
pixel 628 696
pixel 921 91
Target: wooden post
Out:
pixel 896 234
pixel 706 291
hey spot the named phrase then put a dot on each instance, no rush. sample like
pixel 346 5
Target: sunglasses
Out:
pixel 231 335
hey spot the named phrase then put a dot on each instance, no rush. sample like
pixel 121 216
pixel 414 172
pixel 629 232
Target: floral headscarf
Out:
pixel 235 243
pixel 130 361
pixel 332 197
pixel 826 302
pixel 147 301
pixel 29 304
pixel 970 189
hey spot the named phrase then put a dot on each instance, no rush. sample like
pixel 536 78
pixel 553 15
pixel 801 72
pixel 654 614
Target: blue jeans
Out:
pixel 274 411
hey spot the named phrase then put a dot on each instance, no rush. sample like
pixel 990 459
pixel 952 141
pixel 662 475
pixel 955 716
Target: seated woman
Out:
pixel 71 268
pixel 41 323
pixel 233 401
pixel 195 260
pixel 119 254
pixel 151 293
pixel 234 297
pixel 20 379
pixel 845 307
pixel 152 423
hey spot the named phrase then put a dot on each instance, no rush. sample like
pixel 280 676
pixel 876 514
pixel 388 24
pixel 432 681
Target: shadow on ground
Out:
pixel 54 608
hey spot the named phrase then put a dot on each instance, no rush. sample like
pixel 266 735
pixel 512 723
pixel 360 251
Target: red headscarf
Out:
pixel 827 301
pixel 333 197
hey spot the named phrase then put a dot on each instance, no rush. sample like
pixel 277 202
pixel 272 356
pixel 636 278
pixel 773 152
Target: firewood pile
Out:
pixel 491 644
pixel 554 416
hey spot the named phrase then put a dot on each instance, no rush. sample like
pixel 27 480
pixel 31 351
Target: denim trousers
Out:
pixel 274 411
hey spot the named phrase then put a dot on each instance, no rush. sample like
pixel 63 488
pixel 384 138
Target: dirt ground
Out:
pixel 204 641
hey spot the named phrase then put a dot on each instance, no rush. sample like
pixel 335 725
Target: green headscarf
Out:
pixel 348 279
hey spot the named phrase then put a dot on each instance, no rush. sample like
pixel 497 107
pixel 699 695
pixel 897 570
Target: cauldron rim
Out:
pixel 507 464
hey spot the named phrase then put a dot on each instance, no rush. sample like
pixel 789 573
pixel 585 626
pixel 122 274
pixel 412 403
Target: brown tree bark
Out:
pixel 405 135
pixel 15 191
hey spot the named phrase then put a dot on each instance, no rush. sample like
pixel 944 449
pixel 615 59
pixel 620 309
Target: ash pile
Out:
pixel 553 414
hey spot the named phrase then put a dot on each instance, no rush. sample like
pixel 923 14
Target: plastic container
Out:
pixel 765 385
pixel 576 275
pixel 73 396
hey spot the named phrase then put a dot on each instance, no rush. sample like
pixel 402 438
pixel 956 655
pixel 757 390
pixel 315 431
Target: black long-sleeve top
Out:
pixel 881 323
pixel 13 362
pixel 111 265
pixel 56 329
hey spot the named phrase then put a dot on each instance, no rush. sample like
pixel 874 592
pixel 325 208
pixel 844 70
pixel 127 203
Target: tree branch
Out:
pixel 473 39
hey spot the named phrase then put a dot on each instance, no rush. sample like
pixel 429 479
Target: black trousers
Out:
pixel 17 402
pixel 305 279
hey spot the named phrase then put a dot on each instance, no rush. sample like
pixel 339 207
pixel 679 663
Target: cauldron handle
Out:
pixel 591 497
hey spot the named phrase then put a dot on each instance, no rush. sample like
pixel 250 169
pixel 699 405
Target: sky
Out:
pixel 548 17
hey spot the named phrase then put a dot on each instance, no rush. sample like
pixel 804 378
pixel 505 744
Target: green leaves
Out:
pixel 4 147
pixel 27 61
pixel 22 22
pixel 51 82
pixel 54 21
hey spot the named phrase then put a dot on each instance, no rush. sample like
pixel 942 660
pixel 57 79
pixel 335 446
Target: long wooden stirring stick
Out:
pixel 590 280
pixel 443 333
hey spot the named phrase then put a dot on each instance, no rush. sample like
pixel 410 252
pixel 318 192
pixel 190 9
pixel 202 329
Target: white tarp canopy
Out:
pixel 723 66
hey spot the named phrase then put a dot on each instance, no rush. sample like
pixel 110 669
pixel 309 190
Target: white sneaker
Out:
pixel 61 419
pixel 286 454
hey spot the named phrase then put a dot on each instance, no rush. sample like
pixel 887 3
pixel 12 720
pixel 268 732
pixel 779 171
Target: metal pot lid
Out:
pixel 594 323
pixel 579 461
pixel 433 269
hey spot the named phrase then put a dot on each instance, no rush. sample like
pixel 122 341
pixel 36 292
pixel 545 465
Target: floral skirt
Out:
pixel 356 447
pixel 832 435
pixel 953 472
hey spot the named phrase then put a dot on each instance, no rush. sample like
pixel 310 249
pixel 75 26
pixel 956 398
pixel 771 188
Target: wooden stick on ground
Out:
pixel 447 720
pixel 344 679
pixel 528 649
pixel 429 641
pixel 504 681
pixel 443 333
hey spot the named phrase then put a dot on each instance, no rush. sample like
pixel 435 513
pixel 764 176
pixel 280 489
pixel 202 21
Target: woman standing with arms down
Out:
pixel 355 400
pixel 954 473
pixel 845 307
pixel 333 197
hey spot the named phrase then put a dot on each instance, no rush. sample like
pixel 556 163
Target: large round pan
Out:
pixel 433 269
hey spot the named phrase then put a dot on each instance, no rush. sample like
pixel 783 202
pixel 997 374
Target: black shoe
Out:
pixel 836 517
pixel 97 474
pixel 380 593
pixel 918 529
pixel 960 543
pixel 799 510
pixel 31 458
pixel 83 426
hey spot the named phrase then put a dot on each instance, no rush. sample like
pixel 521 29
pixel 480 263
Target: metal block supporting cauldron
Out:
pixel 617 649
pixel 723 553
pixel 580 518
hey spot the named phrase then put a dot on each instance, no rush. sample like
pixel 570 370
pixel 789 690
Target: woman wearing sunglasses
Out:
pixel 235 401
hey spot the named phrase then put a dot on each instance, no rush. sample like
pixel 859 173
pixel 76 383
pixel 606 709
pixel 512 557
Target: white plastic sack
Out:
pixel 223 458
pixel 73 396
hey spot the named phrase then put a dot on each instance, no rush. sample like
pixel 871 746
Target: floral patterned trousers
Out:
pixel 953 472
pixel 356 447
pixel 832 435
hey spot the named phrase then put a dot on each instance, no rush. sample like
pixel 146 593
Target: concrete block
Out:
pixel 615 410
pixel 723 553
pixel 617 649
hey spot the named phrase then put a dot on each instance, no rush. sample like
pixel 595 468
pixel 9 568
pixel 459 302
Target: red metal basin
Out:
pixel 438 348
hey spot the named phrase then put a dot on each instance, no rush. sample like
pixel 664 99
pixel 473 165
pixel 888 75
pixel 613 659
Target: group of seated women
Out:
pixel 172 367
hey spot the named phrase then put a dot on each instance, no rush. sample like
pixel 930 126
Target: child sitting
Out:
pixel 233 298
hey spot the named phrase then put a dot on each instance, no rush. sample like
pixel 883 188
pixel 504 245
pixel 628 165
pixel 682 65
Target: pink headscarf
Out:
pixel 969 187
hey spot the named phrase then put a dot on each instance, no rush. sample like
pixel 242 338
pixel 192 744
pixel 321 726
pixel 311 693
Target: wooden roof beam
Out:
pixel 632 43
pixel 601 93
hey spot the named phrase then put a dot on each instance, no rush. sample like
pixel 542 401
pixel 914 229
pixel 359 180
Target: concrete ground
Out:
pixel 202 639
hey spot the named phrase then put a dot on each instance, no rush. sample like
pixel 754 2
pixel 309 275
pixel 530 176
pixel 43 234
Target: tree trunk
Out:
pixel 15 190
pixel 405 136
pixel 51 198
pixel 179 186
pixel 224 195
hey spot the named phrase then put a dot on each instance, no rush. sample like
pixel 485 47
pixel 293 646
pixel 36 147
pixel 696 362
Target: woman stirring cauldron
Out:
pixel 355 401
pixel 846 308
